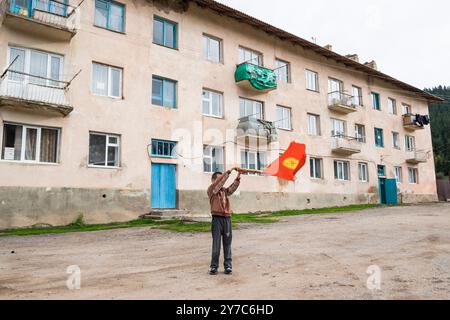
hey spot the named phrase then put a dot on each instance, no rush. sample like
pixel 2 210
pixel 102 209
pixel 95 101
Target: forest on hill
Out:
pixel 440 129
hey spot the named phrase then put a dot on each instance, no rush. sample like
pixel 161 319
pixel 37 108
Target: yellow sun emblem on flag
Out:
pixel 291 163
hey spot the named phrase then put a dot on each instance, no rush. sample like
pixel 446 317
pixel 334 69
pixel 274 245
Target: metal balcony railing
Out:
pixel 341 99
pixel 33 89
pixel 58 13
pixel 345 144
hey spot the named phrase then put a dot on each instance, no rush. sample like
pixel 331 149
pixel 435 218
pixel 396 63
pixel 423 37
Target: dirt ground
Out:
pixel 307 257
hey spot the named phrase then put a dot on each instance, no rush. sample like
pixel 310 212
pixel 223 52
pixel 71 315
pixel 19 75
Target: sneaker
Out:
pixel 228 271
pixel 213 271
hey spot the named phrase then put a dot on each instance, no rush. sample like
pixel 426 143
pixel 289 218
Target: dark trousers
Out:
pixel 221 230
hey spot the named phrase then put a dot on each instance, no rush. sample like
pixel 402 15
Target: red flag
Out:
pixel 289 163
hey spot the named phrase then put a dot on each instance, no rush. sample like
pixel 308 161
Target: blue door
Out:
pixel 163 191
pixel 388 191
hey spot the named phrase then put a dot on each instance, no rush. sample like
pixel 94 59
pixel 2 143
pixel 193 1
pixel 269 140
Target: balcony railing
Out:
pixel 417 156
pixel 341 102
pixel 415 122
pixel 54 13
pixel 254 77
pixel 22 90
pixel 345 145
pixel 251 127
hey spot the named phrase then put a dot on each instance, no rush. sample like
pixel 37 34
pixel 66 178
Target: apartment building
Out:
pixel 116 108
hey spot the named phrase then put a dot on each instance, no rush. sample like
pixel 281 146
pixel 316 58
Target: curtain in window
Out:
pixel 158 32
pixel 115 82
pixel 12 138
pixel 30 144
pixel 38 67
pixel 100 79
pixel 169 94
pixel 49 145
pixel 97 149
pixel 55 72
pixel 101 13
pixel 157 91
pixel 169 35
pixel 116 17
pixel 18 56
pixel 42 5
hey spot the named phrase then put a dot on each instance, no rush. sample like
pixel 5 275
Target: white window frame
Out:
pixel 398 173
pixel 410 143
pixel 282 64
pixel 286 118
pixel 363 172
pixel 210 156
pixel 313 130
pixel 396 134
pixel 357 96
pixel 415 175
pixel 210 103
pixel 338 124
pixel 27 65
pixel 107 144
pixel 253 56
pixel 254 105
pixel 317 174
pixel 254 154
pixel 38 143
pixel 344 165
pixel 207 50
pixel 392 106
pixel 312 80
pixel 406 109
pixel 360 137
pixel 109 84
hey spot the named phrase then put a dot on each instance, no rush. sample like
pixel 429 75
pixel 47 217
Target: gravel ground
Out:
pixel 306 257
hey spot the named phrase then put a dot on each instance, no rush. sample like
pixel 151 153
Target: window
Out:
pixel 392 106
pixel 110 15
pixel 410 143
pixel 313 124
pixel 338 128
pixel 164 148
pixel 213 160
pixel 164 32
pixel 363 172
pixel 251 108
pixel 30 143
pixel 335 89
pixel 341 170
pixel 164 92
pixel 283 118
pixel 396 140
pixel 106 80
pixel 253 160
pixel 376 105
pixel 42 67
pixel 56 7
pixel 312 80
pixel 282 70
pixel 360 133
pixel 357 96
pixel 381 170
pixel 398 174
pixel 315 168
pixel 212 103
pixel 406 109
pixel 379 142
pixel 104 150
pixel 212 49
pixel 413 175
pixel 250 56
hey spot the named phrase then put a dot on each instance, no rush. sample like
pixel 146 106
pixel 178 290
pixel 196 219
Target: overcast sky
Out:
pixel 409 39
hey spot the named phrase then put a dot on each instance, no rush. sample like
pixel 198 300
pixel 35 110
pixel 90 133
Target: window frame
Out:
pixel 410 143
pixel 398 177
pixel 278 121
pixel 259 165
pixel 381 166
pixel 262 114
pixel 209 37
pixel 109 79
pixel 38 143
pixel 316 79
pixel 317 124
pixel 210 156
pixel 392 104
pixel 415 176
pixel 252 51
pixel 313 172
pixel 394 134
pixel 210 103
pixel 333 132
pixel 360 96
pixel 165 21
pixel 363 138
pixel 345 169
pixel 175 92
pixel 365 167
pixel 378 100
pixel 107 145
pixel 377 144
pixel 169 143
pixel 108 27
pixel 287 64
pixel 406 106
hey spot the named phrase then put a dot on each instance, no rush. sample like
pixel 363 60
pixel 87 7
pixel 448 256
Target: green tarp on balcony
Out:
pixel 260 78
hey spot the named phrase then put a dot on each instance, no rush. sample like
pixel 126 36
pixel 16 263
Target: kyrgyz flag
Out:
pixel 289 163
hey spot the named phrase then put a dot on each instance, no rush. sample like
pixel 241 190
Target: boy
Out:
pixel 221 218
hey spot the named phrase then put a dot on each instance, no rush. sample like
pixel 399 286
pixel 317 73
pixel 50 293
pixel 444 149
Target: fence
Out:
pixel 443 189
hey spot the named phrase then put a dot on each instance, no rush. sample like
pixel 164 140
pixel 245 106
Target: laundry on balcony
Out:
pixel 415 121
pixel 255 77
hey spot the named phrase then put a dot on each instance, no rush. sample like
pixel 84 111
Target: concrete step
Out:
pixel 165 214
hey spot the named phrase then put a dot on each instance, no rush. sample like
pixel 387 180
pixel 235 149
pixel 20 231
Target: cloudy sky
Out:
pixel 409 39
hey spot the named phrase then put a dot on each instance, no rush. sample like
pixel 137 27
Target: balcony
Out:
pixel 23 91
pixel 256 129
pixel 417 156
pixel 341 102
pixel 414 122
pixel 53 19
pixel 255 78
pixel 345 146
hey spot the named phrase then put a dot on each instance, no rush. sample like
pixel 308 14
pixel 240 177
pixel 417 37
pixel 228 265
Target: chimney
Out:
pixel 372 64
pixel 328 47
pixel 353 57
